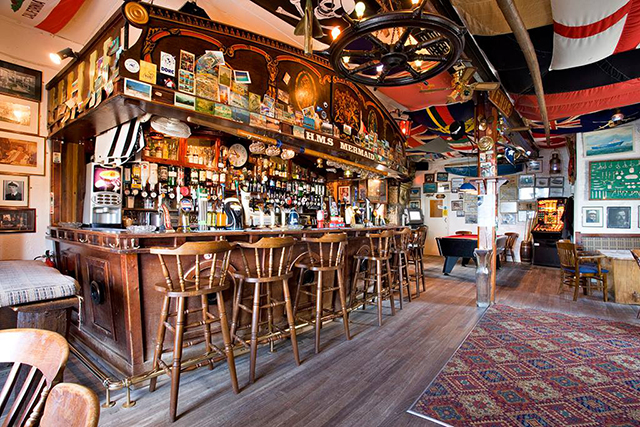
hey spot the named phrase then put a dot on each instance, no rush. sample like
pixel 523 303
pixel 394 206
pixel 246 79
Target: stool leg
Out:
pixel 400 278
pixel 177 358
pixel 236 309
pixel 157 354
pixel 255 323
pixel 604 288
pixel 379 289
pixel 421 261
pixel 318 310
pixel 226 338
pixel 292 325
pixel 207 327
pixel 354 283
pixel 369 273
pixel 297 298
pixel 343 303
pixel 391 296
pixel 270 318
pixel 405 266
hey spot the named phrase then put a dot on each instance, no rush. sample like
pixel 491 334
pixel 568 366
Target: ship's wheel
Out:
pixel 396 48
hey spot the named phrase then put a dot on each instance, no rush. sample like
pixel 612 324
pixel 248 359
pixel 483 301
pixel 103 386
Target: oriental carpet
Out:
pixel 523 367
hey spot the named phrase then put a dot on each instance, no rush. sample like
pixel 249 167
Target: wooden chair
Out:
pixel 463 233
pixel 376 273
pixel 325 259
pixel 71 405
pixel 501 245
pixel 38 358
pixel 636 256
pixel 579 269
pixel 188 288
pixel 270 265
pixel 509 249
pixel 400 263
pixel 416 254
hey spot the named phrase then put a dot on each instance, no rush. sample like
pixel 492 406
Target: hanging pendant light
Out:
pixel 555 164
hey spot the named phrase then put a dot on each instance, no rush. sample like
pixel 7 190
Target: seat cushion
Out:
pixel 23 282
pixel 587 269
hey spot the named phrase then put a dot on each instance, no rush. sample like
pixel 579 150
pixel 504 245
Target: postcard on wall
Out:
pixel 187 61
pixel 167 64
pixel 224 94
pixel 148 72
pixel 283 96
pixel 136 89
pixel 237 100
pixel 608 141
pixel 186 82
pixel 205 106
pixel 239 88
pixel 224 76
pixel 254 102
pixel 185 101
pixel 207 87
pixel 242 77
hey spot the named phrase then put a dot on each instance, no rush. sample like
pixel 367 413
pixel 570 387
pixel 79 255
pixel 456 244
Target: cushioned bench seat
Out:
pixel 23 282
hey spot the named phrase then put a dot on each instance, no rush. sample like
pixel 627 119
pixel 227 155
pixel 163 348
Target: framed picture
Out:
pixel 414 193
pixel 430 187
pixel 556 181
pixel 442 176
pixel 344 194
pixel 17 220
pixel 377 190
pixel 429 177
pixel 415 204
pixel 508 219
pixel 457 205
pixel 19 115
pixel 542 181
pixel 362 189
pixel 619 217
pixel 14 190
pixel 19 81
pixel 21 154
pixel 456 183
pixel 444 187
pixel 526 194
pixel 541 192
pixel 525 181
pixel 534 166
pixel 609 141
pixel 556 192
pixel 593 216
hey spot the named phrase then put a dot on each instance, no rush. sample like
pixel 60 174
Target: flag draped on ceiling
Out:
pixel 46 15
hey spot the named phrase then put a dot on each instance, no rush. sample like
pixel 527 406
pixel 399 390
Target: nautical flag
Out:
pixel 586 31
pixel 46 15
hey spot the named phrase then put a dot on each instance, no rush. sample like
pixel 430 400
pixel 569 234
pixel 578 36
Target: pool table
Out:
pixel 455 247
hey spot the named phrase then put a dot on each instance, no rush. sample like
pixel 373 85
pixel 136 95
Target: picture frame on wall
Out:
pixel 22 154
pixel 14 190
pixel 556 181
pixel 556 192
pixel 415 204
pixel 619 217
pixel 362 189
pixel 21 82
pixel 542 181
pixel 534 166
pixel 608 141
pixel 457 205
pixel 456 183
pixel 526 180
pixel 541 192
pixel 429 187
pixel 444 187
pixel 17 220
pixel 344 194
pixel 19 115
pixel 526 193
pixel 429 177
pixel 414 193
pixel 593 216
pixel 442 176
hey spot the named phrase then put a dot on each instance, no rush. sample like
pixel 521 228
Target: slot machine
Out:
pixel 554 221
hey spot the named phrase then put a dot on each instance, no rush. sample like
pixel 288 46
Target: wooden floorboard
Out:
pixel 369 381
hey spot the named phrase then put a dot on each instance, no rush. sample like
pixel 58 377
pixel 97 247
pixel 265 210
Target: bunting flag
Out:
pixel 588 31
pixel 589 122
pixel 47 15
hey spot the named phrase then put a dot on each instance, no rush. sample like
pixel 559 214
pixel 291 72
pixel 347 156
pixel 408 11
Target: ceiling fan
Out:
pixel 461 87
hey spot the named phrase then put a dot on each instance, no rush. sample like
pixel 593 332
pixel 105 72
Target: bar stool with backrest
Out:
pixel 376 273
pixel 416 253
pixel 179 294
pixel 266 264
pixel 400 264
pixel 325 259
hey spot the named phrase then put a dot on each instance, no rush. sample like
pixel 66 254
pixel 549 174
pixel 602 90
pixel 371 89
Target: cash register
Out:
pixel 413 217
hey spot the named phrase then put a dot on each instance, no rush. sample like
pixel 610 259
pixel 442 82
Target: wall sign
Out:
pixel 614 180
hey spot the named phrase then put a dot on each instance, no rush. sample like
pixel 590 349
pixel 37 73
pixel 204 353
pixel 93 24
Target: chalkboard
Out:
pixel 614 179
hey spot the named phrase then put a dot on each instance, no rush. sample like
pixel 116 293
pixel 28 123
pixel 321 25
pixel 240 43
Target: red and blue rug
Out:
pixel 522 367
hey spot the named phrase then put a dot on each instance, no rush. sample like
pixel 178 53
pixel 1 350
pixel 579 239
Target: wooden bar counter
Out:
pixel 117 275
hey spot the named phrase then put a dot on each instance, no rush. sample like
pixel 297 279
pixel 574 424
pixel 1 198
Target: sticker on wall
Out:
pixel 148 72
pixel 132 65
pixel 167 64
pixel 187 61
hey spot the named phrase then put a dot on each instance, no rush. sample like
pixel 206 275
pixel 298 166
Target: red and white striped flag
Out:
pixel 586 31
pixel 46 15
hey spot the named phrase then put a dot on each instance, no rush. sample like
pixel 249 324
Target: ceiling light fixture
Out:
pixel 335 32
pixel 346 59
pixel 360 8
pixel 379 68
pixel 57 58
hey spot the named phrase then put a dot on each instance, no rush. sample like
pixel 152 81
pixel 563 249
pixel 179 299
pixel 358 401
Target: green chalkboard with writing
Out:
pixel 614 179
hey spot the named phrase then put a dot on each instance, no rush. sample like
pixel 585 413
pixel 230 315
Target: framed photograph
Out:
pixel 442 176
pixel 556 192
pixel 21 82
pixel 593 216
pixel 525 181
pixel 429 177
pixel 541 192
pixel 619 217
pixel 414 193
pixel 377 190
pixel 415 204
pixel 509 207
pixel 14 190
pixel 444 187
pixel 17 220
pixel 556 181
pixel 608 141
pixel 137 89
pixel 344 194
pixel 534 166
pixel 508 219
pixel 456 183
pixel 430 187
pixel 526 193
pixel 19 115
pixel 22 154
pixel 362 189
pixel 459 214
pixel 457 205
pixel 542 181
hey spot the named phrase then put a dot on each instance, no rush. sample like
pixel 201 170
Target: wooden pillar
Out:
pixel 487 184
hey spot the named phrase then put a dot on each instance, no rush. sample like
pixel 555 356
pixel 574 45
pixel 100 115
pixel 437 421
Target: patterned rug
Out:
pixel 534 368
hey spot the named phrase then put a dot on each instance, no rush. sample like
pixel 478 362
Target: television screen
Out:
pixel 414 215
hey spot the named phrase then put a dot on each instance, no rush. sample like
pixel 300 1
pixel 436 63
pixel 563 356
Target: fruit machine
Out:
pixel 554 221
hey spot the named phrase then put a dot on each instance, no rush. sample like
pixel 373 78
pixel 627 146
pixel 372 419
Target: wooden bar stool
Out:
pixel 416 252
pixel 376 273
pixel 269 265
pixel 400 264
pixel 325 259
pixel 196 288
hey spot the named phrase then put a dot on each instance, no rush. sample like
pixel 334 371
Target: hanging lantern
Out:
pixel 405 127
pixel 555 164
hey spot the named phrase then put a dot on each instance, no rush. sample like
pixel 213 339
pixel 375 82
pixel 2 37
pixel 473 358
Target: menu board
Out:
pixel 614 179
